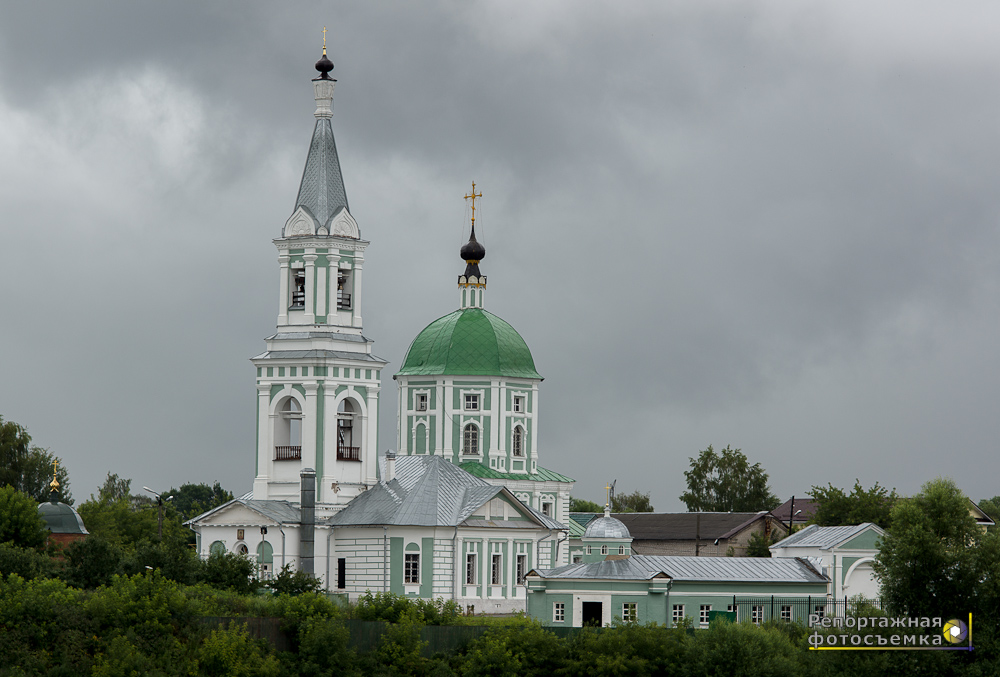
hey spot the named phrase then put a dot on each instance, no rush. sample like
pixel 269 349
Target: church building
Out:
pixel 466 510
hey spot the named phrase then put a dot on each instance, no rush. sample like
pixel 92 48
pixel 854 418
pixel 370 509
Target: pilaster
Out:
pixel 283 290
pixel 310 311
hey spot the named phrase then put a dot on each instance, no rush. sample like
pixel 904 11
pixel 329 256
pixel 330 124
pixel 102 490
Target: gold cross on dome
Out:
pixel 607 495
pixel 54 483
pixel 324 40
pixel 472 196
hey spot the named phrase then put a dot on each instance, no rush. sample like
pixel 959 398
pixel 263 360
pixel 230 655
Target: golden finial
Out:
pixel 54 484
pixel 324 40
pixel 607 495
pixel 472 196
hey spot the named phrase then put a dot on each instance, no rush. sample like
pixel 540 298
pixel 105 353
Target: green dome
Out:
pixel 61 518
pixel 470 342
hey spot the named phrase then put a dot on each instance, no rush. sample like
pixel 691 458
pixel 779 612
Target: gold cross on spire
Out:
pixel 607 495
pixel 472 196
pixel 54 484
pixel 324 40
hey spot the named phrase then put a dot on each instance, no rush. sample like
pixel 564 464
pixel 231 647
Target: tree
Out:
pixel 582 505
pixel 726 482
pixel 634 502
pixel 28 468
pixel 192 500
pixel 759 544
pixel 20 523
pixel 991 506
pixel 935 560
pixel 836 508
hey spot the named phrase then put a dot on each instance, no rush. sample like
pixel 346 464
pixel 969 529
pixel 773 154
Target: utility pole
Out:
pixel 159 505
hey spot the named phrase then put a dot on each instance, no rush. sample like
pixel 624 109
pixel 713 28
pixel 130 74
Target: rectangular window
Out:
pixel 341 573
pixel 678 615
pixel 421 402
pixel 518 405
pixel 820 610
pixel 757 614
pixel 558 612
pixel 786 613
pixel 703 612
pixel 577 559
pixel 629 614
pixel 472 402
pixel 470 569
pixel 298 288
pixel 522 568
pixel 496 570
pixel 547 509
pixel 411 569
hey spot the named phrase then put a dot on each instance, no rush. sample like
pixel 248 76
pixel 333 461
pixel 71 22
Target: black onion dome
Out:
pixel 472 250
pixel 324 66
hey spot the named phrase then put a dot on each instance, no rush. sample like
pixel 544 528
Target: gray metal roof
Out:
pixel 824 538
pixel 428 491
pixel 321 191
pixel 606 527
pixel 685 526
pixel 281 512
pixel 728 569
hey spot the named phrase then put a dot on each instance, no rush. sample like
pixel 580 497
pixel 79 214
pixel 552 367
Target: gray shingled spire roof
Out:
pixel 322 192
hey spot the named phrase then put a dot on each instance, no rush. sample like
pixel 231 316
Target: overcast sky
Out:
pixel 772 225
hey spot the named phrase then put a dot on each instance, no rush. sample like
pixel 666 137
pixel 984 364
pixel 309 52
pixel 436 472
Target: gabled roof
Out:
pixel 825 538
pixel 281 512
pixel 804 503
pixel 321 191
pixel 430 491
pixel 685 526
pixel 543 475
pixel 722 569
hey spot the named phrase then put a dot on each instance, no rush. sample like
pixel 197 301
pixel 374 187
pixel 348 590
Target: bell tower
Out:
pixel 318 382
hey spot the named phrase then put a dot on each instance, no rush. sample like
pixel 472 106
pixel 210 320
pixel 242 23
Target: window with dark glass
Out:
pixel 470 569
pixel 470 439
pixel 518 445
pixel 411 569
pixel 496 570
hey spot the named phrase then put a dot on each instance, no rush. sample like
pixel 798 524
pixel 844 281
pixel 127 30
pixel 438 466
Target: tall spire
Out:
pixel 321 192
pixel 472 284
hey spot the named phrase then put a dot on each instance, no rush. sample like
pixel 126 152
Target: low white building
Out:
pixel 847 554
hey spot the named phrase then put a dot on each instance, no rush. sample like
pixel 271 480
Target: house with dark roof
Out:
pixel 696 534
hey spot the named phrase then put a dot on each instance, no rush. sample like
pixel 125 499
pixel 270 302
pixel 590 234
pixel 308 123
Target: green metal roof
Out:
pixel 470 342
pixel 543 475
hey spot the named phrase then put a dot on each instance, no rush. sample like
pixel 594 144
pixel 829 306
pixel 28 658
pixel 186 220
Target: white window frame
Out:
pixel 517 442
pixel 677 615
pixel 703 613
pixel 604 550
pixel 517 405
pixel 621 549
pixel 757 614
pixel 472 402
pixel 521 568
pixel 786 613
pixel 630 612
pixel 558 612
pixel 496 569
pixel 470 449
pixel 470 568
pixel 421 401
pixel 411 577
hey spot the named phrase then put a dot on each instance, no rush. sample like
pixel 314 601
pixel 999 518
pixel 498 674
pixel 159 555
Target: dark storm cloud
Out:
pixel 765 225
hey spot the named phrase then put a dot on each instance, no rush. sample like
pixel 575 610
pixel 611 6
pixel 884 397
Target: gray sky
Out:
pixel 772 225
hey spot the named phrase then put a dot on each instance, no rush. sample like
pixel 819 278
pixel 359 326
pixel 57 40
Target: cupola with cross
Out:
pixel 318 382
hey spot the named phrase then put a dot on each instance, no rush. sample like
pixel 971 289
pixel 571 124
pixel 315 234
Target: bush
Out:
pixel 289 582
pixel 229 571
pixel 20 523
pixel 391 608
pixel 91 562
pixel 25 562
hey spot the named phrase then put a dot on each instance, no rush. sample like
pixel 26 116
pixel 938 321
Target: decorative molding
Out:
pixel 299 224
pixel 344 225
pixel 339 243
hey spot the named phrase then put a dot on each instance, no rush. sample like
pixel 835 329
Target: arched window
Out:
pixel 470 439
pixel 621 549
pixel 242 549
pixel 604 550
pixel 348 448
pixel 288 431
pixel 518 442
pixel 217 548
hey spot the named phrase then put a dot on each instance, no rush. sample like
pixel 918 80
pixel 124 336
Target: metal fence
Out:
pixel 762 609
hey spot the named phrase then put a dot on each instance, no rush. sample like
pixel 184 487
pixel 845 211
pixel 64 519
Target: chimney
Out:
pixel 308 520
pixel 390 465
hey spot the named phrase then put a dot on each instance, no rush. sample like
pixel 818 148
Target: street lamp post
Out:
pixel 159 505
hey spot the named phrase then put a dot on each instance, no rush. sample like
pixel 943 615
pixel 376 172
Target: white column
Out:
pixel 264 442
pixel 497 435
pixel 309 424
pixel 321 291
pixel 449 414
pixel 511 569
pixel 369 453
pixel 310 313
pixel 400 416
pixel 359 259
pixel 283 290
pixel 439 419
pixel 458 585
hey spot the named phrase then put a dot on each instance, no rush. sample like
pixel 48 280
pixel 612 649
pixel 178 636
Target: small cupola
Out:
pixel 606 537
pixel 472 283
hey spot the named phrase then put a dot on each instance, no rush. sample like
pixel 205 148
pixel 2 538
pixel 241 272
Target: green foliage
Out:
pixel 743 649
pixel 759 544
pixel 127 520
pixel 836 508
pixel 991 506
pixel 325 649
pixel 28 468
pixel 726 482
pixel 385 606
pixel 174 561
pixel 230 651
pixel 192 500
pixel 634 502
pixel 935 560
pixel 230 571
pixel 27 563
pixel 582 505
pixel 289 582
pixel 20 523
pixel 91 562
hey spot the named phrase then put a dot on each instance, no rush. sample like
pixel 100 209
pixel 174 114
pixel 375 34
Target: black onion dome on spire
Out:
pixel 324 66
pixel 472 253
